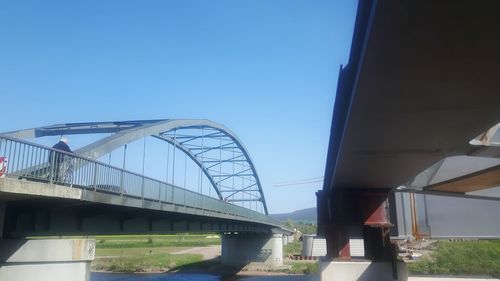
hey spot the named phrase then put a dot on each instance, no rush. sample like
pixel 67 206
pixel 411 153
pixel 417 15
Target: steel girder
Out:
pixel 218 152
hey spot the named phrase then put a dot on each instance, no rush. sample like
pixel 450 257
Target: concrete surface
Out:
pixel 242 249
pixel 361 271
pixel 46 259
pixel 46 250
pixel 22 189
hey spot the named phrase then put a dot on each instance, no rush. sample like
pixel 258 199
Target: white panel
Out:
pixel 319 247
pixel 357 247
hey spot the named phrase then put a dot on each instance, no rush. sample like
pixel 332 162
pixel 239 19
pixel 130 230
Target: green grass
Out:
pixel 145 263
pixel 461 258
pixel 119 252
pixel 292 248
pixel 303 267
pixel 147 253
pixel 155 241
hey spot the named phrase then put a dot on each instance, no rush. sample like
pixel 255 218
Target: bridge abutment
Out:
pixel 239 249
pixel 46 259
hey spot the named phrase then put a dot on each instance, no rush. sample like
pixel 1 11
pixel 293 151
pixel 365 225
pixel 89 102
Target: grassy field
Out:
pixel 145 263
pixel 298 267
pixel 156 241
pixel 303 267
pixel 461 258
pixel 154 253
pixel 147 253
pixel 121 252
pixel 292 248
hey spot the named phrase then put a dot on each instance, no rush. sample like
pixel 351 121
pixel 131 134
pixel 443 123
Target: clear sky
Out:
pixel 267 69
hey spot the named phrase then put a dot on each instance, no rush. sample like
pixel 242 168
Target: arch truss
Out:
pixel 217 151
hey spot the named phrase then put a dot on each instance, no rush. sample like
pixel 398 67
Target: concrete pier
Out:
pixel 244 248
pixel 46 259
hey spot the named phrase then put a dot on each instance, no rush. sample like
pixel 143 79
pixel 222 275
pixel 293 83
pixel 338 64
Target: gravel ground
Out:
pixel 208 253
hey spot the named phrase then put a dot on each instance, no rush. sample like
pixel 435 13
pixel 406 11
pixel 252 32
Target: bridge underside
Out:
pixel 40 209
pixel 421 83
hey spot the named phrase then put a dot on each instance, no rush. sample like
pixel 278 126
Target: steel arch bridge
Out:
pixel 216 150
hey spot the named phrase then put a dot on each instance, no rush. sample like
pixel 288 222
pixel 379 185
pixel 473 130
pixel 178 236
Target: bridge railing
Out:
pixel 34 162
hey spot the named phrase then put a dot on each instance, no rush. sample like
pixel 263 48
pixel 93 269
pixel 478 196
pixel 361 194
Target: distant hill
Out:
pixel 304 215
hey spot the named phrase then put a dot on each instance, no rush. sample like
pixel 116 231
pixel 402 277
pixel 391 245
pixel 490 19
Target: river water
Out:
pixel 97 276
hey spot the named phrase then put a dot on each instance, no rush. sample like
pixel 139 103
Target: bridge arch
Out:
pixel 183 135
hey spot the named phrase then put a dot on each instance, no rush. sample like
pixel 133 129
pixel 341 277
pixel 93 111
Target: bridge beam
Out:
pixel 46 259
pixel 240 249
pixel 361 216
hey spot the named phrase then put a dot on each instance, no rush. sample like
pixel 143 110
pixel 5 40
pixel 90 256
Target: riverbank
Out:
pixel 153 260
pixel 200 254
pixel 170 253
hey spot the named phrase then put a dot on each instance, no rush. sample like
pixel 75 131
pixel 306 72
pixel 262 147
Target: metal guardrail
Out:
pixel 34 162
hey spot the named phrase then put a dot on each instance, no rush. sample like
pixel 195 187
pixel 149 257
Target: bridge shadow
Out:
pixel 9 248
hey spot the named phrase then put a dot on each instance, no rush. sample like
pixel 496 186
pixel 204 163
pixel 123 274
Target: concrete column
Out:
pixel 243 248
pixel 46 259
pixel 285 240
pixel 345 214
pixel 276 258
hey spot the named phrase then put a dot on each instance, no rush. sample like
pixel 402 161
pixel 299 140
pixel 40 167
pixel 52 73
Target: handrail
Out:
pixel 41 163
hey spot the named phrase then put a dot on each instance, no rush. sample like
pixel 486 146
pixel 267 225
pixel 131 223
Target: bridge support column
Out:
pixel 46 259
pixel 239 249
pixel 358 216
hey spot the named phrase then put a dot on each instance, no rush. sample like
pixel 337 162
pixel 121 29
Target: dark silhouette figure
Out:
pixel 57 159
pixel 63 145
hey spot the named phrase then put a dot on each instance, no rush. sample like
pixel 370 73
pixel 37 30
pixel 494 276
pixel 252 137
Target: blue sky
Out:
pixel 267 69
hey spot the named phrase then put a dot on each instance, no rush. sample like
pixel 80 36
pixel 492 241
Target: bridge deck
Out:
pixel 33 180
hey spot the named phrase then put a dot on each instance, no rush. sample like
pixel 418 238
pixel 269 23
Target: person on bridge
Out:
pixel 60 168
pixel 63 145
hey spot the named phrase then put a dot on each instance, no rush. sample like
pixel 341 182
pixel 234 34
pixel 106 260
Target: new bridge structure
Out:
pixel 48 192
pixel 416 109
